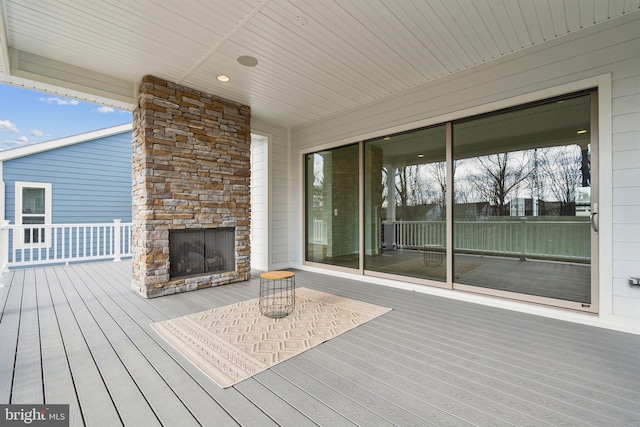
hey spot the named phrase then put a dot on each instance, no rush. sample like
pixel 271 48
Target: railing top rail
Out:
pixel 415 222
pixel 507 221
pixel 87 224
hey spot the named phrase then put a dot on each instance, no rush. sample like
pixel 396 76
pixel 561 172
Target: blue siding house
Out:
pixel 82 179
pixel 89 176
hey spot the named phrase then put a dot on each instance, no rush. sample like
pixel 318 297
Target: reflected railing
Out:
pixel 562 240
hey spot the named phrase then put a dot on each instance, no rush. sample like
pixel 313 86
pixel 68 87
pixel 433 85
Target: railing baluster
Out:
pixel 4 246
pixel 117 227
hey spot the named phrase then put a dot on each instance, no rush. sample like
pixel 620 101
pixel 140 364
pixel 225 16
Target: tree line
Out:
pixel 550 174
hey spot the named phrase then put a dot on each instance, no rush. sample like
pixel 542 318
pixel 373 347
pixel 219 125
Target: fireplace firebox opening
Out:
pixel 201 251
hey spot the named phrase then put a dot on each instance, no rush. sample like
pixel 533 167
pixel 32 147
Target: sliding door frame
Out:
pixel 448 121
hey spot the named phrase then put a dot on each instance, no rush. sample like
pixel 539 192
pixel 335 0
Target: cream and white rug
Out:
pixel 232 343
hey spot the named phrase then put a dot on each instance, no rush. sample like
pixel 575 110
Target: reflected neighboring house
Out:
pixel 473 211
pixel 527 207
pixel 80 179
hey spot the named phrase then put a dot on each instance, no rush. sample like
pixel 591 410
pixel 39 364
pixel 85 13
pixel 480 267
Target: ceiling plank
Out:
pixel 225 38
pixel 545 21
pixel 340 43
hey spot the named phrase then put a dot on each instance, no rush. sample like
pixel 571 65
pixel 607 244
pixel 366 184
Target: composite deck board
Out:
pixel 56 376
pixel 429 389
pixel 437 371
pixel 272 405
pixel 125 393
pixel 603 398
pixel 92 395
pixel 375 395
pixel 123 335
pixel 552 401
pixel 299 398
pixel 418 316
pixel 9 327
pixel 497 357
pixel 27 381
pixel 116 285
pixel 430 361
pixel 526 348
pixel 531 329
pixel 536 344
pixel 516 330
pixel 352 410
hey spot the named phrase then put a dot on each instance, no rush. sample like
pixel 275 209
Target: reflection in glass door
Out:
pixel 405 204
pixel 522 201
pixel 332 208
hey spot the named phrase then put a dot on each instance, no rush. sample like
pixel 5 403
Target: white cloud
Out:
pixel 14 143
pixel 105 110
pixel 7 125
pixel 36 132
pixel 59 101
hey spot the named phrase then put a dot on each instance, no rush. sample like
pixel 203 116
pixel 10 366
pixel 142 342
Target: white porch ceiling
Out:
pixel 316 57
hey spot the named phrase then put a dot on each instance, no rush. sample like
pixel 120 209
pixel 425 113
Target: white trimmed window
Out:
pixel 33 206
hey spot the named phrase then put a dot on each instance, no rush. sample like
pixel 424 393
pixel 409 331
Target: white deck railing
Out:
pixel 24 245
pixel 318 234
pixel 558 240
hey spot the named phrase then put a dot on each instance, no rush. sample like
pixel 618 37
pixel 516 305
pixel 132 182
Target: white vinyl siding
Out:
pixel 259 202
pixel 280 210
pixel 626 189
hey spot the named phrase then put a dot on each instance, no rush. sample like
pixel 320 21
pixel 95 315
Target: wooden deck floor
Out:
pixel 79 335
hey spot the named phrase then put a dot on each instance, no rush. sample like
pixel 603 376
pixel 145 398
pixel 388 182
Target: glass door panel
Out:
pixel 332 207
pixel 522 200
pixel 405 204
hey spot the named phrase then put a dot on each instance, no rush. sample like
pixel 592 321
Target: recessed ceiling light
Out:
pixel 581 131
pixel 386 138
pixel 247 61
pixel 223 78
pixel 420 156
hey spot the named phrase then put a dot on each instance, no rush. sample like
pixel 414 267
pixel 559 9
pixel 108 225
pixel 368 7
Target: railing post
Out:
pixel 117 231
pixel 4 247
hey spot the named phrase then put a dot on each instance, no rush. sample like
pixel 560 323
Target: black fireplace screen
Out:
pixel 202 251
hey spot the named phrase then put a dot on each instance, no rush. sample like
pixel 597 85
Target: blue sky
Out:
pixel 28 117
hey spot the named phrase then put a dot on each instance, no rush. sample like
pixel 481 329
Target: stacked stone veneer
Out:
pixel 191 170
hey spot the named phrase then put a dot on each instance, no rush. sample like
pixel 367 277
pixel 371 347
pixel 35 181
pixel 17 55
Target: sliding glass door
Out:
pixel 504 204
pixel 405 204
pixel 522 201
pixel 332 208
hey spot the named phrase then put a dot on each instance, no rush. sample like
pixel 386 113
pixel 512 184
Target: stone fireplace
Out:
pixel 191 184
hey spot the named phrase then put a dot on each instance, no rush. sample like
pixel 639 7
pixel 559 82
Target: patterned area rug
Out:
pixel 232 343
